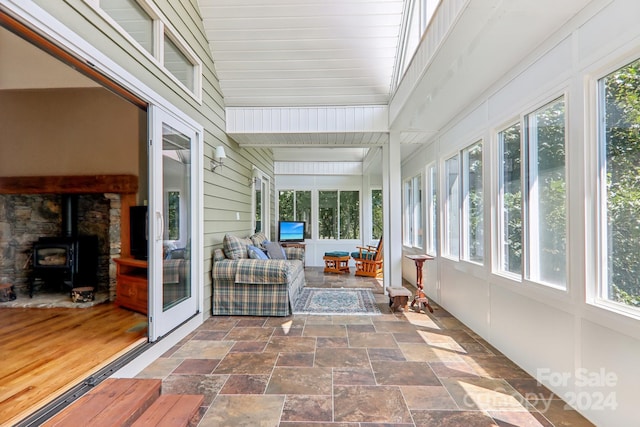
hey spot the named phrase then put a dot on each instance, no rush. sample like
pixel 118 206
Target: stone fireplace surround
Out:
pixel 30 207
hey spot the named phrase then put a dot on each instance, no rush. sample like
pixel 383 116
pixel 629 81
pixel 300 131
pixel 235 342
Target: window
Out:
pixel 138 19
pixel 452 208
pixel 177 63
pixel 377 224
pixel 339 214
pixel 412 228
pixel 260 201
pixel 473 204
pixel 432 210
pixel 510 201
pixel 619 162
pixel 546 194
pixel 133 19
pixel 296 206
pixel 173 206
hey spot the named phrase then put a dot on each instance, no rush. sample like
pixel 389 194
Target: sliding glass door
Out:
pixel 173 222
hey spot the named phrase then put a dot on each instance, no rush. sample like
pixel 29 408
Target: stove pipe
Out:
pixel 69 215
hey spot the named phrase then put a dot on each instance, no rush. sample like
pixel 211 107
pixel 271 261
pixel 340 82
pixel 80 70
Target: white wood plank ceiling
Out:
pixel 303 52
pixel 277 56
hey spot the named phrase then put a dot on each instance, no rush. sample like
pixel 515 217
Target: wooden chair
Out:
pixel 368 260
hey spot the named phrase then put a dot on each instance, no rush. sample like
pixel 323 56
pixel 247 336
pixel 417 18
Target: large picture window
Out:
pixel 452 207
pixel 510 201
pixel 473 203
pixel 619 147
pixel 546 194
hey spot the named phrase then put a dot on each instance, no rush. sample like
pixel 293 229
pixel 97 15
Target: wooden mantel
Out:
pixel 69 184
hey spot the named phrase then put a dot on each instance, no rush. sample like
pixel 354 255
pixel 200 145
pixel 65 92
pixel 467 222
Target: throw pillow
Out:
pixel 275 251
pixel 258 239
pixel 256 253
pixel 235 247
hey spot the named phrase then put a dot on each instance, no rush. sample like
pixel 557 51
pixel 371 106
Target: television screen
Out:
pixel 138 231
pixel 291 231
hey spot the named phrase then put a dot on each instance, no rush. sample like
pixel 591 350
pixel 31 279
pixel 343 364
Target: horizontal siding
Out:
pixel 225 191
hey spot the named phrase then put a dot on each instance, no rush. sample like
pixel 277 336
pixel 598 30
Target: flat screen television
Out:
pixel 138 232
pixel 291 231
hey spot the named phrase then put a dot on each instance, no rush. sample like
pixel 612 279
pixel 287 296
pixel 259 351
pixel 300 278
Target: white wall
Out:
pixel 540 328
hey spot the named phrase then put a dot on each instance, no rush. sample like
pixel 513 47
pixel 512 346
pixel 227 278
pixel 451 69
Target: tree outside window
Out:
pixel 510 203
pixel 296 206
pixel 339 214
pixel 473 203
pixel 546 194
pixel 619 142
pixel 377 223
pixel 452 208
pixel 173 207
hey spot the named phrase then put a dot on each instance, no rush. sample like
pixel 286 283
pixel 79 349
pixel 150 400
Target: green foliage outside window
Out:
pixel 296 206
pixel 621 93
pixel 174 215
pixel 376 214
pixel 349 215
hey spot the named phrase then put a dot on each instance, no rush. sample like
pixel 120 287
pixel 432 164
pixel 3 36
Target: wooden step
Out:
pixel 114 402
pixel 172 410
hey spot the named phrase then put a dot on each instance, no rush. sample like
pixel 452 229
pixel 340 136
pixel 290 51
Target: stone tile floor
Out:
pixel 408 369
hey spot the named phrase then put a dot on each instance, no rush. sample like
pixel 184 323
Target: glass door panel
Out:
pixel 172 291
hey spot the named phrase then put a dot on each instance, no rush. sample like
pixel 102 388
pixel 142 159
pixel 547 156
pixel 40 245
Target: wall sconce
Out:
pixel 218 157
pixel 255 177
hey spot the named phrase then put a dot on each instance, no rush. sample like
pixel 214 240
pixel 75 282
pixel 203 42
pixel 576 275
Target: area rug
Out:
pixel 342 301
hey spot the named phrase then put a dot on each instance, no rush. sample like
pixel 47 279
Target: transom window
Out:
pixel 144 24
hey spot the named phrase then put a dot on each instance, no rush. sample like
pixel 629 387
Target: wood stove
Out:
pixel 68 261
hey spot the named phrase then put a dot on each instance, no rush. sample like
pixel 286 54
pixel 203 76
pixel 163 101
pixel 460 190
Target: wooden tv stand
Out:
pixel 132 284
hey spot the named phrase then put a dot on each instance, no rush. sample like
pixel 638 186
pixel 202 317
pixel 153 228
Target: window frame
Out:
pixel 448 238
pixel 431 245
pixel 161 27
pixel 531 214
pixel 465 211
pixel 412 220
pixel 501 240
pixel 339 213
pixel 597 294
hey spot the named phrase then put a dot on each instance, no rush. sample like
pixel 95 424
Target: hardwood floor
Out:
pixel 46 351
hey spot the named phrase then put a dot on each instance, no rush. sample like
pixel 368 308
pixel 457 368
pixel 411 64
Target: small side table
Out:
pixel 420 296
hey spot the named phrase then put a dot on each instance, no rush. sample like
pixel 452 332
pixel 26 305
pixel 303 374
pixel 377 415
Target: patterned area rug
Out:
pixel 343 301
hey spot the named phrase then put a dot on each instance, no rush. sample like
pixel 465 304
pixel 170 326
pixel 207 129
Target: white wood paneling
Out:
pixel 299 52
pixel 318 168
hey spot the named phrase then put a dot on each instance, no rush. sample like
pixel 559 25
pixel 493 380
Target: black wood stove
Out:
pixel 68 261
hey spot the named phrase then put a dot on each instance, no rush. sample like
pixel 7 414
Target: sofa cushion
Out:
pixel 365 255
pixel 275 251
pixel 256 253
pixel 235 247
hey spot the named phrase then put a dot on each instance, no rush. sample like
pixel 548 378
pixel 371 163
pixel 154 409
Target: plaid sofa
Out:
pixel 254 287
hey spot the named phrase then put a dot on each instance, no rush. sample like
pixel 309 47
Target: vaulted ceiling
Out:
pixel 288 69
